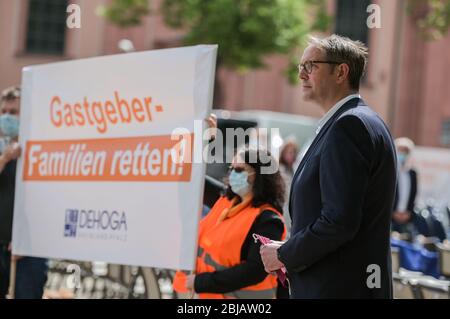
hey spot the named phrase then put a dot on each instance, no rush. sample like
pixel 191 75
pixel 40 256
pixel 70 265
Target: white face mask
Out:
pixel 9 125
pixel 239 183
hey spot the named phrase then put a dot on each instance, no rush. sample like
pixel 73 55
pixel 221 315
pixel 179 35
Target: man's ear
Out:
pixel 342 72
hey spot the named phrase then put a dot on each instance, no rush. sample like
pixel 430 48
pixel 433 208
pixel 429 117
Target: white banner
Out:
pixel 433 174
pixel 101 177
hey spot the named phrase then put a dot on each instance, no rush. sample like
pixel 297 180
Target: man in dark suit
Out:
pixel 342 193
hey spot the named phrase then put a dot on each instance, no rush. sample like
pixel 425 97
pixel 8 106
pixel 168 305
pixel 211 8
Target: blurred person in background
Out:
pixel 229 264
pixel 404 220
pixel 288 154
pixel 31 273
pixel 9 127
pixel 406 223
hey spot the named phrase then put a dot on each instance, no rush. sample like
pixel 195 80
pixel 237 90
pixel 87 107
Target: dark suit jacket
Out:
pixel 412 192
pixel 341 201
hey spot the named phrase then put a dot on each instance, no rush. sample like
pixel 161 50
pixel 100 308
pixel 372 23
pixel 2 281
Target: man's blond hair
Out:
pixel 344 50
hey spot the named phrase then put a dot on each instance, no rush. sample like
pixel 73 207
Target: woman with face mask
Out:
pixel 228 261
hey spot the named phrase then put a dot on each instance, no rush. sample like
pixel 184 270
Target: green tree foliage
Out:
pixel 434 17
pixel 245 30
pixel 125 13
pixel 248 30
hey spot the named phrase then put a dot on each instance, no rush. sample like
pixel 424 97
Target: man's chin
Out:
pixel 306 97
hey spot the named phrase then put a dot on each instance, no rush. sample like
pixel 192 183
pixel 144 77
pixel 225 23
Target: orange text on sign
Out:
pixel 102 113
pixel 155 158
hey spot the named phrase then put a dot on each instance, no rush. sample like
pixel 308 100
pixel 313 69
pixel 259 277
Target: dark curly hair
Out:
pixel 267 188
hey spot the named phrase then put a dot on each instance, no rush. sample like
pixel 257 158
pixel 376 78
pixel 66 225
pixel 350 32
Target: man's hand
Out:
pixel 269 256
pixel 12 152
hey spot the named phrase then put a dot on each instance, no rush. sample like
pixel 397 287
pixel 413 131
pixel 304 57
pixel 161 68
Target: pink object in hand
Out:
pixel 281 273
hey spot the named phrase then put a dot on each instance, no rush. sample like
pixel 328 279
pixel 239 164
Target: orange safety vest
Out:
pixel 220 248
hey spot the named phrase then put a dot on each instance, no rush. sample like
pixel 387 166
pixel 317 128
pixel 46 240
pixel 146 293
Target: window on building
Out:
pixel 351 19
pixel 445 137
pixel 46 26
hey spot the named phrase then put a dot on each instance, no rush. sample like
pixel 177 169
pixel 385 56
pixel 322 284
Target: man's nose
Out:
pixel 303 75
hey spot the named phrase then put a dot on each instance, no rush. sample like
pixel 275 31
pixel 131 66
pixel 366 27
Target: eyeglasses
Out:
pixel 308 65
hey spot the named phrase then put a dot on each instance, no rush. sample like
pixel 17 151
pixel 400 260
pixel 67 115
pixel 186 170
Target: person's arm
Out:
pixel 413 191
pixel 344 174
pixel 251 270
pixel 11 152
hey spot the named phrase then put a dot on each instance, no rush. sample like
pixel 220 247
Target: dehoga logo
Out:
pixel 82 219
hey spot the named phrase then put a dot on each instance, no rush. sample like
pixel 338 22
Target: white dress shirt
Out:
pixel 334 109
